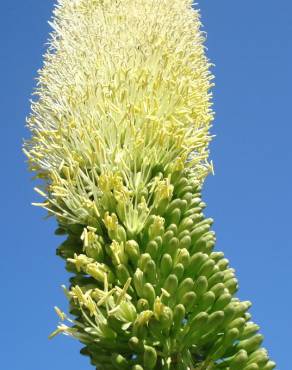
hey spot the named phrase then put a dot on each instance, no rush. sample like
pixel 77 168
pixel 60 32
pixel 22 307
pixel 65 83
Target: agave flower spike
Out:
pixel 120 128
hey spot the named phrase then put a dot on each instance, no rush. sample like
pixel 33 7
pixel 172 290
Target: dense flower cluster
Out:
pixel 120 132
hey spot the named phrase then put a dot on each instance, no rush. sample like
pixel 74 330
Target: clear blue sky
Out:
pixel 249 198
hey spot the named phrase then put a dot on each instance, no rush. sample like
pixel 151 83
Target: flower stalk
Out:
pixel 120 129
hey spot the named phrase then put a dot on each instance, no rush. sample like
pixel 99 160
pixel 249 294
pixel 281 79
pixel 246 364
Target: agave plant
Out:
pixel 119 134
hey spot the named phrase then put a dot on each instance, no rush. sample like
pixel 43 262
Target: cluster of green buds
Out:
pixel 120 134
pixel 162 298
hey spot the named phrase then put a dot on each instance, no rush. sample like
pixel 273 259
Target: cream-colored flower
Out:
pixel 112 102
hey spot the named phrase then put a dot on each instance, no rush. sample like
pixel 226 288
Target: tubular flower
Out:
pixel 119 135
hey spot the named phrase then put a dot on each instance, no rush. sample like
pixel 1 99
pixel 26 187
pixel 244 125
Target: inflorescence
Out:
pixel 119 134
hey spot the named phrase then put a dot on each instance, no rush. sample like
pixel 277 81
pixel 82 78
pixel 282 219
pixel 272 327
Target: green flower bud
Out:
pixel 215 279
pixel 187 196
pixel 223 264
pixel 150 272
pixel 229 274
pixel 198 232
pixel 207 268
pixel 167 236
pixel 171 284
pixel 185 242
pixel 149 293
pixel 269 366
pixel 218 289
pixel 230 336
pixel 137 367
pixel 231 285
pixel 178 271
pixel 194 212
pixel 152 249
pixel 174 216
pixel 166 318
pixel 122 274
pixel 251 344
pixel 206 301
pixel 247 316
pixel 183 182
pixel 139 282
pixel 196 328
pixel 239 360
pixel 186 224
pixel 196 262
pixel 249 330
pixel 135 344
pixel 251 367
pixel 216 256
pixel 178 315
pixel 176 204
pixel 205 243
pixel 173 228
pixel 214 320
pixel 199 322
pixel 144 259
pixel 185 286
pixel 172 246
pixel 222 301
pixel 260 357
pixel 133 251
pixel 237 323
pixel 183 257
pixel 185 190
pixel 201 285
pixel 166 265
pixel 161 206
pixel 150 357
pixel 182 234
pixel 119 362
pixel 230 312
pixel 189 300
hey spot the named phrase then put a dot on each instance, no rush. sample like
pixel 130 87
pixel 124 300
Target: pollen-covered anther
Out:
pixel 80 261
pixel 118 253
pixel 60 313
pixel 163 190
pixel 111 222
pixel 157 227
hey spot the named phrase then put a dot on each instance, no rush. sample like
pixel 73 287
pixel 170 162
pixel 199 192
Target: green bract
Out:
pixel 120 132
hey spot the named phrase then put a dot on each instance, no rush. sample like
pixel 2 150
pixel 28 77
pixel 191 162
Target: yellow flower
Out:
pixel 107 110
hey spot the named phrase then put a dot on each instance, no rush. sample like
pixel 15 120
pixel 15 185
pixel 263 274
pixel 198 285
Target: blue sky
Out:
pixel 249 198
